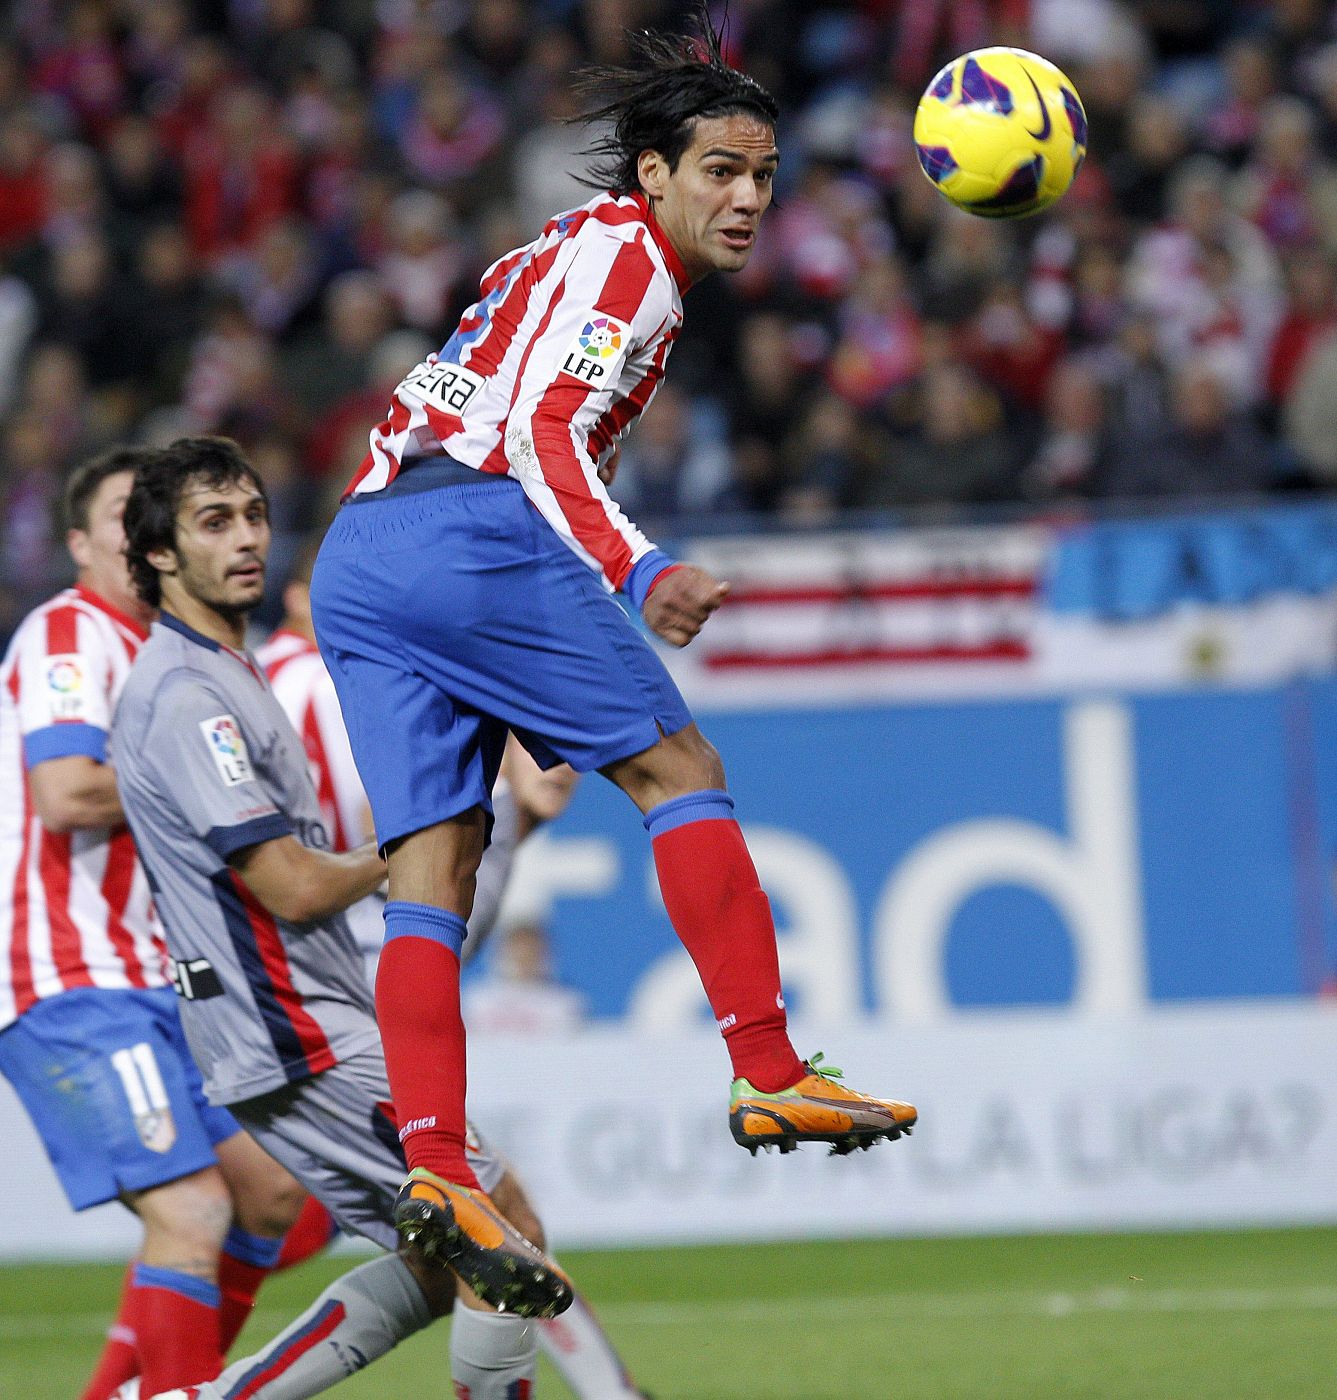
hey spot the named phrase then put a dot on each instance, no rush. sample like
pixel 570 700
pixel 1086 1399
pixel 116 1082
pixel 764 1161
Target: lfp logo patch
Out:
pixel 602 338
pixel 66 686
pixel 223 735
pixel 597 351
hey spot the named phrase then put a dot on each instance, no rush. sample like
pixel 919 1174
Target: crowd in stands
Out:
pixel 251 216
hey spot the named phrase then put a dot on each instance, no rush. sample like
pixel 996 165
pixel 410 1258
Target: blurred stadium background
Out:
pixel 1028 685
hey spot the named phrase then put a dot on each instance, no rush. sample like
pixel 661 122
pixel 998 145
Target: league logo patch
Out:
pixel 66 686
pixel 223 735
pixel 596 353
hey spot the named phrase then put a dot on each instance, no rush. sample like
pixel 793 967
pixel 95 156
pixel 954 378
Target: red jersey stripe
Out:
pixel 269 944
pixel 117 883
pixel 53 865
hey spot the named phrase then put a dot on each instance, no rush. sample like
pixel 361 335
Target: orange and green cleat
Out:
pixel 459 1226
pixel 816 1109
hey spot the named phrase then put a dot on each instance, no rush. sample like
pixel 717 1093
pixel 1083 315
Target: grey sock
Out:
pixel 356 1319
pixel 583 1355
pixel 490 1352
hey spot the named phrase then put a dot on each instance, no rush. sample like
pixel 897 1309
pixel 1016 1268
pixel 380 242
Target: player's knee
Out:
pixel 271 1208
pixel 186 1220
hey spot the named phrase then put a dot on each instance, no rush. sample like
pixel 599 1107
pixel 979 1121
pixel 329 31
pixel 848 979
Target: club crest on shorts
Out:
pixel 156 1129
pixel 595 355
pixel 223 735
pixel 66 686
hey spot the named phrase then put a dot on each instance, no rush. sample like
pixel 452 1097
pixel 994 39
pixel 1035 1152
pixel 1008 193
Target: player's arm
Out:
pixel 302 885
pixel 64 705
pixel 75 792
pixel 198 754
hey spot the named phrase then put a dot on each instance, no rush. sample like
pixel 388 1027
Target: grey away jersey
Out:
pixel 207 763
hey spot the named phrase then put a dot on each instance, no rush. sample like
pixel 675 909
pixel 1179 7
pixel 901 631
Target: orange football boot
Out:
pixel 459 1226
pixel 816 1109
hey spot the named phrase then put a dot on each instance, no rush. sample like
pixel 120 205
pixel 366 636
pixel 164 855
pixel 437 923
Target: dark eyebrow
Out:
pixel 716 152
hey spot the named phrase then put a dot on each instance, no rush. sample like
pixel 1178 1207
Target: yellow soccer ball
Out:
pixel 1000 132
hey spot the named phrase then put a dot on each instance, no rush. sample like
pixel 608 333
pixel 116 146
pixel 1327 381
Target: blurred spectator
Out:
pixel 1209 449
pixel 1287 188
pixel 423 263
pixel 959 454
pixel 675 463
pixel 241 174
pixel 771 391
pixel 1073 456
pixel 1310 412
pixel 1140 172
pixel 878 345
pixel 521 996
pixel 332 359
pixel 1311 315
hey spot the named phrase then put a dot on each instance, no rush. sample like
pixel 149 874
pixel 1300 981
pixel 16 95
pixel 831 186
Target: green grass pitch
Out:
pixel 1244 1315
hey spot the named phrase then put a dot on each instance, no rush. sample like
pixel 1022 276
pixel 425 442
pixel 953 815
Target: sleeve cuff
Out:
pixel 225 841
pixel 644 572
pixel 63 740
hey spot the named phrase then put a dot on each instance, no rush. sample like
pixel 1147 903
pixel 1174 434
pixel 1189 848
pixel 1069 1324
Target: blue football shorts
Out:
pixel 448 616
pixel 110 1085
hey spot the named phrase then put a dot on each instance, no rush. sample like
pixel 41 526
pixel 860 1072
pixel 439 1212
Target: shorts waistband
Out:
pixel 427 473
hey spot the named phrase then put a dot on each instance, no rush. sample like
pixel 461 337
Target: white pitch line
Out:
pixel 927 1306
pixel 885 1306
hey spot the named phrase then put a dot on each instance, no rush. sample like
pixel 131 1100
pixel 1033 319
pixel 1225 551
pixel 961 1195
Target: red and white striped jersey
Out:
pixel 302 685
pixel 75 908
pixel 547 371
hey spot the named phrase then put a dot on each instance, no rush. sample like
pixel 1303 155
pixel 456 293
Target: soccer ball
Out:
pixel 1000 132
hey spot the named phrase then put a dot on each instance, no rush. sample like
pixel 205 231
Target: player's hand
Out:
pixel 609 469
pixel 680 602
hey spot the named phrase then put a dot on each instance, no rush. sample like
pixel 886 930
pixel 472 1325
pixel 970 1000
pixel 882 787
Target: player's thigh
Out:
pixel 112 1091
pixel 335 1133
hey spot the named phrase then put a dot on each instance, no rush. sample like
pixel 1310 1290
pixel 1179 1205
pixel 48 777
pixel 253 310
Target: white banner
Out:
pixel 1176 1118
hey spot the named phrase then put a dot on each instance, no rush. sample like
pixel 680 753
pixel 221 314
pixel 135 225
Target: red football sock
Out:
pixel 176 1321
pixel 244 1264
pixel 120 1357
pixel 718 909
pixel 418 1010
pixel 311 1232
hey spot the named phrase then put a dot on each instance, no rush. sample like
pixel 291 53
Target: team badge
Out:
pixel 597 351
pixel 223 735
pixel 66 686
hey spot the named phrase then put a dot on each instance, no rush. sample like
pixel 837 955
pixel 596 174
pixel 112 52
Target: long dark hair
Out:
pixel 653 102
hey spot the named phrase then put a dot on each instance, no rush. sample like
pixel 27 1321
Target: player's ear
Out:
pixel 76 541
pixel 164 560
pixel 653 172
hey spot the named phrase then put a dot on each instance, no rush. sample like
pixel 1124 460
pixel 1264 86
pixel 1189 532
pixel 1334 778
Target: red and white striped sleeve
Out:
pixel 589 370
pixel 63 679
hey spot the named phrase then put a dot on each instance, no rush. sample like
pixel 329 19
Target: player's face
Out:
pixel 99 551
pixel 709 206
pixel 222 542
